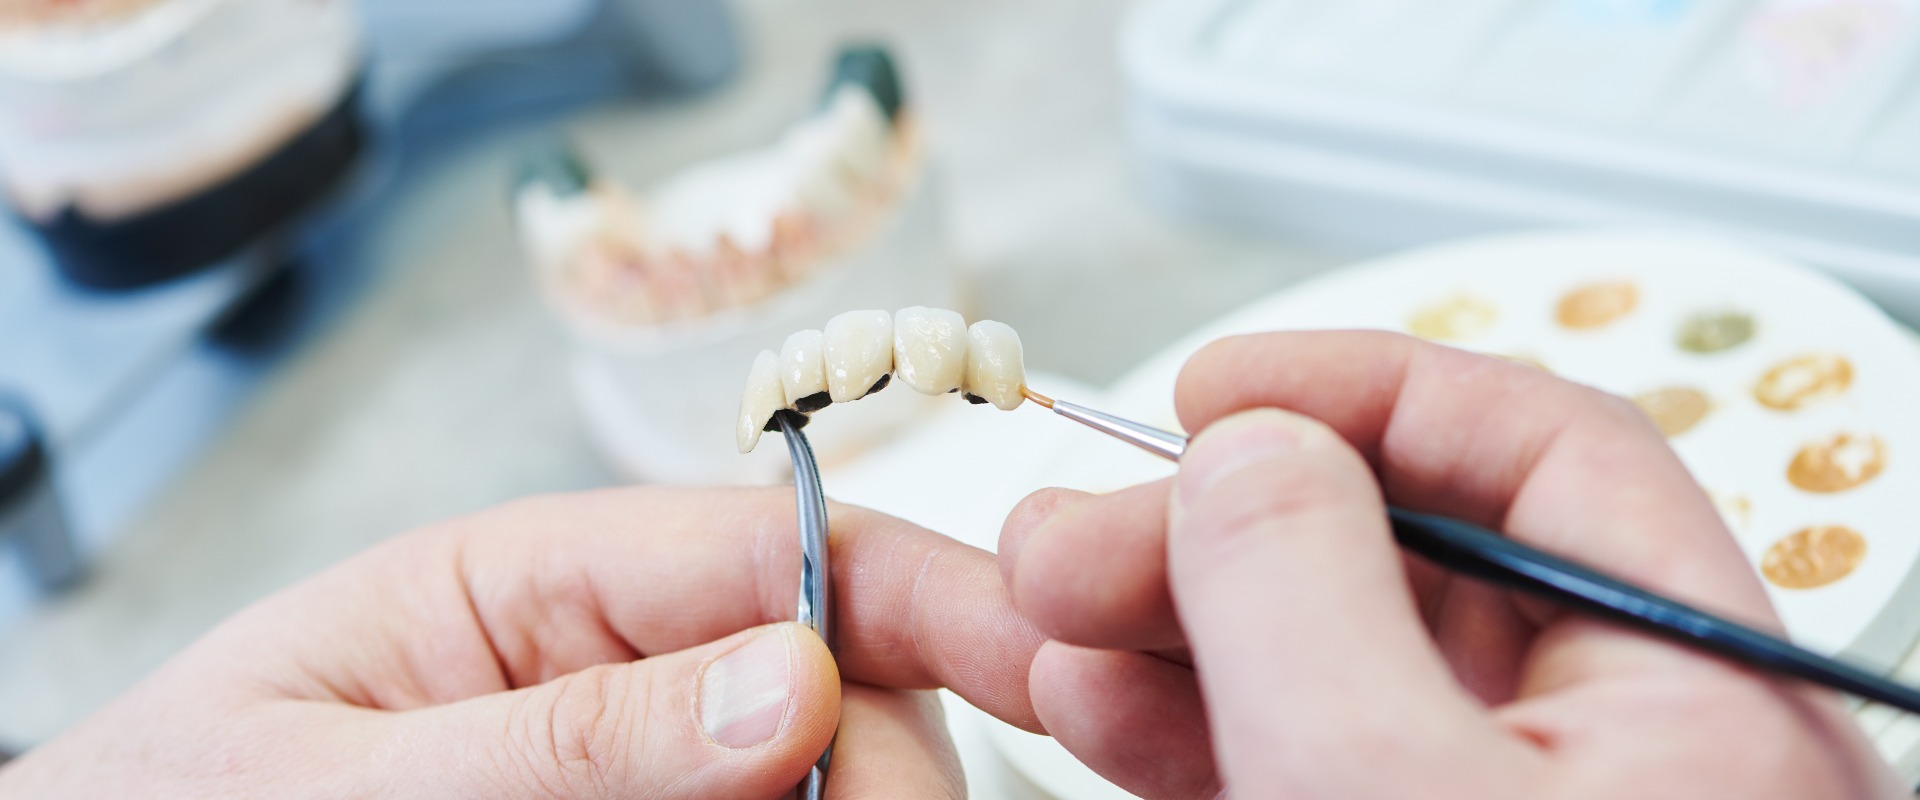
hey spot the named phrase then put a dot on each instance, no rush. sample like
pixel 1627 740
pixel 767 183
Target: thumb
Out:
pixel 742 717
pixel 1286 580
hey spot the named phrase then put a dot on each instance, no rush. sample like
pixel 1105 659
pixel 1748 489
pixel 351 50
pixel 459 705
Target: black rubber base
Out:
pixel 265 319
pixel 201 231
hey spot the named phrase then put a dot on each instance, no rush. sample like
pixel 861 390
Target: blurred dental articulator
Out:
pixel 142 139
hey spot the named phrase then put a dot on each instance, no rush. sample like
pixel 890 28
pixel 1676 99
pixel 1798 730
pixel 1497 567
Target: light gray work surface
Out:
pixel 444 392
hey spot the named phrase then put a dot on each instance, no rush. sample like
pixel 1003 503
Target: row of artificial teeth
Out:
pixel 932 350
pixel 835 154
pixel 643 262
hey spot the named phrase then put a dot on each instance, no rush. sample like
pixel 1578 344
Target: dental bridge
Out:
pixel 858 353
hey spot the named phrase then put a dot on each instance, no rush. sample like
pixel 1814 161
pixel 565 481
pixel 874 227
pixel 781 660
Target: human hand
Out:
pixel 1250 625
pixel 618 644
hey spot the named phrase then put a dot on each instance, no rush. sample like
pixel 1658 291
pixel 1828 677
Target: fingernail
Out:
pixel 744 694
pixel 1234 443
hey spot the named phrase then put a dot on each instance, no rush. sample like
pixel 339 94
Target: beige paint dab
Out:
pixel 1804 381
pixel 1842 463
pixel 1814 557
pixel 1598 305
pixel 1453 319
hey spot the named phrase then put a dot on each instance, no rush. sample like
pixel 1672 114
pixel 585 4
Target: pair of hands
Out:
pixel 1247 628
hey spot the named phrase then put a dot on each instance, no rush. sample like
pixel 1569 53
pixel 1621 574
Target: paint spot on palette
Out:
pixel 1458 317
pixel 1715 332
pixel 1804 381
pixel 1814 557
pixel 1842 463
pixel 1675 410
pixel 1598 305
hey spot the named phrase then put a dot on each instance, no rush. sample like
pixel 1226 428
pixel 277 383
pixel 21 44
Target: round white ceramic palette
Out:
pixel 1613 312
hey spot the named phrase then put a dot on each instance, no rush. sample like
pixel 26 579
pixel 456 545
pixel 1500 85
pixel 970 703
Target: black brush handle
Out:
pixel 1490 557
pixel 1479 553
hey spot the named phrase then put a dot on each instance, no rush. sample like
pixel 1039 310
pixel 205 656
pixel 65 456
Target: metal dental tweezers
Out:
pixel 816 599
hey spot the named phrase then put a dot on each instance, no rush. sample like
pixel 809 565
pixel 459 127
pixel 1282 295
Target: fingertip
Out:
pixel 811 718
pixel 809 650
pixel 1057 584
pixel 1094 574
pixel 1025 520
pixel 1256 466
pixel 1245 440
pixel 1049 666
pixel 1032 570
pixel 816 689
pixel 1239 372
pixel 1060 591
pixel 745 716
pixel 772 690
pixel 1050 682
pixel 1198 389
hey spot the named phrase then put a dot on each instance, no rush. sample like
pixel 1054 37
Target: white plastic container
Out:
pixel 1377 124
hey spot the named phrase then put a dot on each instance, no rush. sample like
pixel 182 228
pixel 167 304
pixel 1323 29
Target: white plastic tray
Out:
pixel 1386 123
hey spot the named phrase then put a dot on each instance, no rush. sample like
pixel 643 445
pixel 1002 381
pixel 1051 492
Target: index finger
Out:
pixel 1562 466
pixel 550 586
